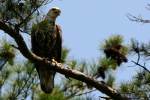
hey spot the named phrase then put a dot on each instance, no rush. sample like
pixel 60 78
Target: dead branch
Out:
pixel 142 66
pixel 137 19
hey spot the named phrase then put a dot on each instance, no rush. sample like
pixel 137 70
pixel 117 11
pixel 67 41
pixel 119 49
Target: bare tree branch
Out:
pixel 137 50
pixel 20 90
pixel 85 92
pixel 106 98
pixel 137 19
pixel 59 67
pixel 141 66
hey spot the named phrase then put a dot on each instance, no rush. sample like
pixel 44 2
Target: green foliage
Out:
pixel 72 87
pixel 124 50
pixel 142 48
pixel 7 52
pixel 64 56
pixel 107 63
pixel 41 27
pixel 4 75
pixel 55 95
pixel 113 41
pixel 72 64
pixel 19 80
pixel 110 81
pixel 138 87
pixel 115 53
pixel 114 50
pixel 124 87
pixel 20 13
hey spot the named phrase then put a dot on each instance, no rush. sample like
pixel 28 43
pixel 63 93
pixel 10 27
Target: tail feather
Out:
pixel 46 77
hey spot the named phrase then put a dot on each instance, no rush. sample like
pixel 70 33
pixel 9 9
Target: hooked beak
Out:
pixel 58 13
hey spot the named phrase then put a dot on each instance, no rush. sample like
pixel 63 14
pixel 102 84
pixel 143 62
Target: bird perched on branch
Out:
pixel 46 42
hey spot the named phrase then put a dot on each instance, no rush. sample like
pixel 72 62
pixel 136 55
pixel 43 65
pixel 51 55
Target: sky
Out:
pixel 87 23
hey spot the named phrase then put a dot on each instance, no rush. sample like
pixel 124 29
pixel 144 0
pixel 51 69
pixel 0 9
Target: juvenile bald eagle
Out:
pixel 46 42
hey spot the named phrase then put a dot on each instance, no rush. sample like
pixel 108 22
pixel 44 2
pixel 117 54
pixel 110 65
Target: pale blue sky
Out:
pixel 86 23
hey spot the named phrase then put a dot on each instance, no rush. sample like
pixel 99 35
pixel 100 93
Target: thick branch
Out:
pixel 59 67
pixel 22 47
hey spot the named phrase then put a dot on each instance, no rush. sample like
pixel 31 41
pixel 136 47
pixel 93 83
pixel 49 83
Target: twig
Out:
pixel 141 66
pixel 137 19
pixel 3 61
pixel 106 98
pixel 85 92
pixel 26 81
pixel 14 46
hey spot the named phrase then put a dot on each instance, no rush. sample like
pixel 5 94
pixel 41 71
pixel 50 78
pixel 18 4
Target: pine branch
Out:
pixel 31 13
pixel 20 90
pixel 59 67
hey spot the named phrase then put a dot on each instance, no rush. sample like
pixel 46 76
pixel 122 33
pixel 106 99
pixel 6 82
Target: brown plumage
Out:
pixel 47 43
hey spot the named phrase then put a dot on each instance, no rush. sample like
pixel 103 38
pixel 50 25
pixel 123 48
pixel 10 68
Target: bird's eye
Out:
pixel 53 9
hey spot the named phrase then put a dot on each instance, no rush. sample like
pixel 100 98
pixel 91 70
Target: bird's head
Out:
pixel 54 13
